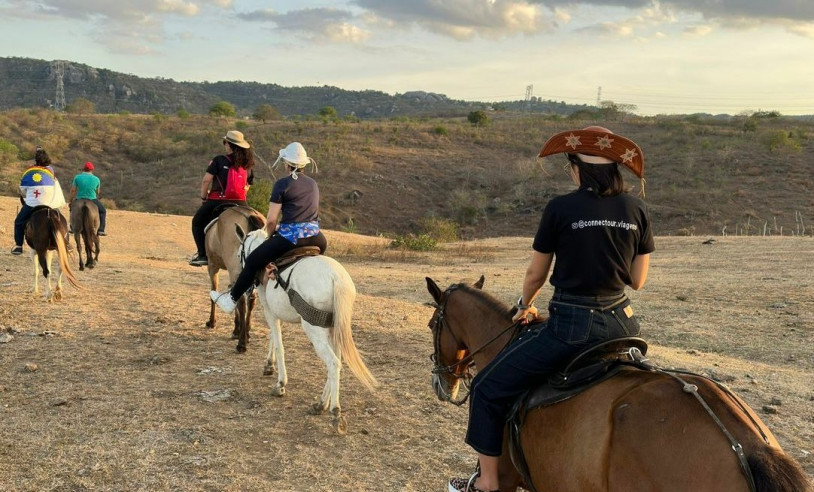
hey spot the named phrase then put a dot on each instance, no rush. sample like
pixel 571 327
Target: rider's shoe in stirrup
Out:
pixel 199 260
pixel 17 250
pixel 101 233
pixel 224 301
pixel 465 485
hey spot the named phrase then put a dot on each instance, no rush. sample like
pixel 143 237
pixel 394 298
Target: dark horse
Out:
pixel 639 430
pixel 46 232
pixel 85 223
pixel 223 251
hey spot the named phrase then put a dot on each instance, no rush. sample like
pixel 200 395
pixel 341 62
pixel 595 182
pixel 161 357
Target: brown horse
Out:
pixel 85 223
pixel 46 232
pixel 639 430
pixel 223 251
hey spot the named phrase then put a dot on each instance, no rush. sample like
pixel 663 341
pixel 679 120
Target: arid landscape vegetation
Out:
pixel 120 387
pixel 744 175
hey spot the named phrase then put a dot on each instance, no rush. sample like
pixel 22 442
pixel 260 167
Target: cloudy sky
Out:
pixel 669 56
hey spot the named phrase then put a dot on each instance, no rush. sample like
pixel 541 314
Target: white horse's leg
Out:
pixel 320 339
pixel 276 353
pixel 49 255
pixel 35 260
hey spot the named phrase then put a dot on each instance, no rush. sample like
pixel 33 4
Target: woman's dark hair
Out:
pixel 242 157
pixel 602 179
pixel 41 157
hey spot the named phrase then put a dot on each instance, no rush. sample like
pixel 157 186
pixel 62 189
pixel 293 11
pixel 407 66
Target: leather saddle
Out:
pixel 287 260
pixel 588 368
pixel 255 220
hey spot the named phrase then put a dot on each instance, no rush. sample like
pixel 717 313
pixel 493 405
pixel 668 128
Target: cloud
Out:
pixel 697 31
pixel 316 24
pixel 462 19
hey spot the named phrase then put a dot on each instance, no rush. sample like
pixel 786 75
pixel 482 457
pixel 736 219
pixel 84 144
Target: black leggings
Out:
pixel 204 216
pixel 270 250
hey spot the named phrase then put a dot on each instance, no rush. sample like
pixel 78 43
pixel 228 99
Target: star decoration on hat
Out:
pixel 603 142
pixel 572 141
pixel 629 155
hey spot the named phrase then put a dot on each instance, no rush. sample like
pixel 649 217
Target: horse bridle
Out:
pixel 437 324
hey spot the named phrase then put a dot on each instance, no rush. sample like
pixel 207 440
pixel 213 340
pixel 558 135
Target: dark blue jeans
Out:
pixel 19 224
pixel 574 323
pixel 102 214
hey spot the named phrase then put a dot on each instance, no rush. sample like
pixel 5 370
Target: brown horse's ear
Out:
pixel 241 234
pixel 435 292
pixel 479 284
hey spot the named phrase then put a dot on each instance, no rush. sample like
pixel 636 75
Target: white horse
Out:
pixel 325 285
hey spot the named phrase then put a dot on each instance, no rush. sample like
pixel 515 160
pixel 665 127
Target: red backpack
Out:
pixel 236 183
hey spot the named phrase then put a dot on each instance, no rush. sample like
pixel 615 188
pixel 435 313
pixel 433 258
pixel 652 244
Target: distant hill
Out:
pixel 30 83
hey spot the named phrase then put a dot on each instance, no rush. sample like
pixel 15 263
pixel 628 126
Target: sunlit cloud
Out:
pixel 697 31
pixel 315 24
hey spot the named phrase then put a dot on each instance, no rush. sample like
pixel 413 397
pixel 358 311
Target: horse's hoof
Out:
pixel 341 425
pixel 278 391
pixel 268 370
pixel 317 408
pixel 240 349
pixel 91 265
pixel 82 268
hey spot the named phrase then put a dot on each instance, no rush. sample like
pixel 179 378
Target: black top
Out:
pixel 219 168
pixel 594 240
pixel 299 197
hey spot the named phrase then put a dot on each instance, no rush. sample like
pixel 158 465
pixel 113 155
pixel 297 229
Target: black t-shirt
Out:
pixel 594 240
pixel 299 197
pixel 219 167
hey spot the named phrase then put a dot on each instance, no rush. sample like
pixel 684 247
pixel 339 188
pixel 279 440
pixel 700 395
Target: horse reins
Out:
pixel 436 325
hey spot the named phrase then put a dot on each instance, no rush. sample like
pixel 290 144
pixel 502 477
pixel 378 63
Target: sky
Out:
pixel 663 57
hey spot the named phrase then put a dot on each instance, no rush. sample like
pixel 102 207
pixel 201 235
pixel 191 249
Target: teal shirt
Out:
pixel 86 185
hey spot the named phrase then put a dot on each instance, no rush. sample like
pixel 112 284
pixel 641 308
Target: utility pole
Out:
pixel 529 90
pixel 58 67
pixel 599 96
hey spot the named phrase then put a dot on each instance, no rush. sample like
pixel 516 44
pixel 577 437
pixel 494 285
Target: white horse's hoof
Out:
pixel 278 391
pixel 341 425
pixel 268 370
pixel 317 408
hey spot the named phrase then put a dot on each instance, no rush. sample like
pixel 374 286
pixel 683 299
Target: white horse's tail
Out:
pixel 344 295
pixel 62 250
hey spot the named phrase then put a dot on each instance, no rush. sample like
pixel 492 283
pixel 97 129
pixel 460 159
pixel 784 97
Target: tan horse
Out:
pixel 85 223
pixel 46 232
pixel 223 252
pixel 637 431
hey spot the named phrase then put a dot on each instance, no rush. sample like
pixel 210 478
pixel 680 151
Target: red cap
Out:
pixel 88 166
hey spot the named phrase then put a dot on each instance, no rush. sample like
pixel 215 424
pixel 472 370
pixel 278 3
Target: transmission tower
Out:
pixel 599 96
pixel 59 72
pixel 529 90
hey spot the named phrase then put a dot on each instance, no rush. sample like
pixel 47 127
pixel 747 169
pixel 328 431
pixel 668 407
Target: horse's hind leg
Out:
pixel 213 284
pixel 275 354
pixel 79 249
pixel 320 339
pixel 46 271
pixel 240 325
pixel 35 260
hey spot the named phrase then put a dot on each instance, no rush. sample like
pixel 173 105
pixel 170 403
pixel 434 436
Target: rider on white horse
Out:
pixel 297 197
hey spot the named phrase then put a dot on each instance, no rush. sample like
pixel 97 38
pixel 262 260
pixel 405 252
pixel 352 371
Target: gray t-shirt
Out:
pixel 299 198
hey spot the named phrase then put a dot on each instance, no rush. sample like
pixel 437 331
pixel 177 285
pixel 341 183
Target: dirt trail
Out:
pixel 125 366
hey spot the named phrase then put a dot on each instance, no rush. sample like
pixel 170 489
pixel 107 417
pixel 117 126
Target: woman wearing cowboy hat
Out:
pixel 296 197
pixel 218 187
pixel 602 240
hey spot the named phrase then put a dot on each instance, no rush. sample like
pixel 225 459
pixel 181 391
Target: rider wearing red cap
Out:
pixel 86 185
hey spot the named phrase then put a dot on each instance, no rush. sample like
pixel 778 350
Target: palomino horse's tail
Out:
pixel 774 471
pixel 344 295
pixel 62 249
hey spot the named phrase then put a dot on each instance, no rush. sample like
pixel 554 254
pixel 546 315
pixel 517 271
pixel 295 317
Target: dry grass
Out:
pixel 117 400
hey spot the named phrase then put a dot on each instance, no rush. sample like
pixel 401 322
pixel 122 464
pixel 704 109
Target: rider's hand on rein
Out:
pixel 525 315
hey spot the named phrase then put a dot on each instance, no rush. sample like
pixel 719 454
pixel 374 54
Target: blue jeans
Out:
pixel 19 224
pixel 574 323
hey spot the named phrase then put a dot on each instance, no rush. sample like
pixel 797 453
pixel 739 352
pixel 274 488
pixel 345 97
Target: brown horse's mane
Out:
pixel 488 299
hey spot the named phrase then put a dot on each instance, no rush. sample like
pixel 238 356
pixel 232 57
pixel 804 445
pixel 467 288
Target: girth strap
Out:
pixel 308 312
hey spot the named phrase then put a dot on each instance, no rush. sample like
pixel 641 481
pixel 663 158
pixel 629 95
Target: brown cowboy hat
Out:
pixel 597 141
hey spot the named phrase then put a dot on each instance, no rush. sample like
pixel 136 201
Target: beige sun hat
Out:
pixel 236 137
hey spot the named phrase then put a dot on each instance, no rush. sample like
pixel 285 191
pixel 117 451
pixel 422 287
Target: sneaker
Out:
pixel 17 250
pixel 465 485
pixel 101 233
pixel 199 260
pixel 224 301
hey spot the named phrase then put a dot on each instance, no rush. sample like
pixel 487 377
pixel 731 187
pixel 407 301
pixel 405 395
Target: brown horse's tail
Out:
pixel 88 229
pixel 774 471
pixel 344 295
pixel 57 229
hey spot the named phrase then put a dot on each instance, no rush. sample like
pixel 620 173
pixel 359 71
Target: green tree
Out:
pixel 266 112
pixel 80 105
pixel 183 113
pixel 478 118
pixel 222 108
pixel 328 112
pixel 8 151
pixel 258 195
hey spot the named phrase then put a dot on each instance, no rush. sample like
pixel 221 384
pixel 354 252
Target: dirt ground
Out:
pixel 120 387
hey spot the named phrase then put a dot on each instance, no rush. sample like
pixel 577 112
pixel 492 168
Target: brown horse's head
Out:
pixel 463 319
